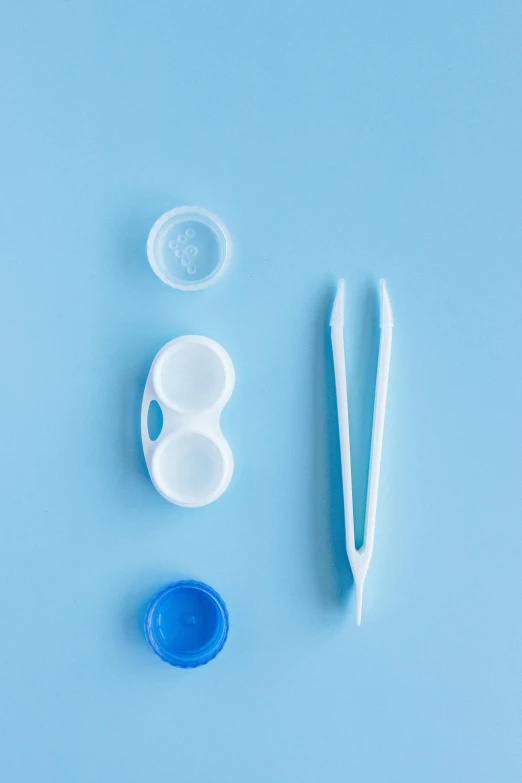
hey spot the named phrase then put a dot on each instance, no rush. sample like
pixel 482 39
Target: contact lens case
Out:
pixel 190 462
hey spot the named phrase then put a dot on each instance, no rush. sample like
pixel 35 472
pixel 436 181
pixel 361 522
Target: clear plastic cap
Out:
pixel 189 248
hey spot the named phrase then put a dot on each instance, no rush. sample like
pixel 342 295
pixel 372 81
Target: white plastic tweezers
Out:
pixel 360 558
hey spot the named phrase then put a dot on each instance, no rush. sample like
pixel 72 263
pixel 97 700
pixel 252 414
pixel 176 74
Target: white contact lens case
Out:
pixel 190 462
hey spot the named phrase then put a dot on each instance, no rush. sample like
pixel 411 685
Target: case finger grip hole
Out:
pixel 154 420
pixel 190 377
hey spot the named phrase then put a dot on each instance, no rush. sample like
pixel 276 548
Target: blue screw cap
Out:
pixel 187 624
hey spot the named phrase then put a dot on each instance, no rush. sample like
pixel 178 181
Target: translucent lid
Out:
pixel 187 624
pixel 189 248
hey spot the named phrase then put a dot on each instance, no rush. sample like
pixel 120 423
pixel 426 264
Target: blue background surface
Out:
pixel 334 139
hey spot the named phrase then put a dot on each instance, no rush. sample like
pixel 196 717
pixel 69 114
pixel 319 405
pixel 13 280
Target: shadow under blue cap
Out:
pixel 187 624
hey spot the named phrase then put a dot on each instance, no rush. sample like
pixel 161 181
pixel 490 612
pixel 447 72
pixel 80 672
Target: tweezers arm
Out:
pixel 381 390
pixel 337 326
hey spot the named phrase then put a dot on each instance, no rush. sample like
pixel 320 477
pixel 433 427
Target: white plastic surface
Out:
pixel 360 558
pixel 190 463
pixel 189 248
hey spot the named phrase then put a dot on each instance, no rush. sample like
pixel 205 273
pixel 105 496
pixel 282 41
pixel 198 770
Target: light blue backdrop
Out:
pixel 334 139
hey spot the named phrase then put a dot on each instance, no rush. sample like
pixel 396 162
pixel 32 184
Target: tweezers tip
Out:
pixel 386 310
pixel 337 317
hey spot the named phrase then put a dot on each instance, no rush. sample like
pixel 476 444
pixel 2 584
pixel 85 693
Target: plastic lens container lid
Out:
pixel 187 624
pixel 189 248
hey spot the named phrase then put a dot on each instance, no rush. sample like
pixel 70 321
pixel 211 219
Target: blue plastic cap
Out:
pixel 187 624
